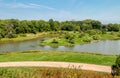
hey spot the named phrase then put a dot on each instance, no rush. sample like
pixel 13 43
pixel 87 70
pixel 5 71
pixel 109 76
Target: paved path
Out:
pixel 83 66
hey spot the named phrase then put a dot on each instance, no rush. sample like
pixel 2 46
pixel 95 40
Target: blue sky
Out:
pixel 107 11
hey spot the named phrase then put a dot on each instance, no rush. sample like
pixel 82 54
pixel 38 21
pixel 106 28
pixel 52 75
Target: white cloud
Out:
pixel 41 6
pixel 22 5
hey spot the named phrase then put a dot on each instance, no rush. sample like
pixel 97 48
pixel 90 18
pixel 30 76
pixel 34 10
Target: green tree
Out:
pixel 96 24
pixel 23 27
pixel 53 25
pixel 114 27
pixel 67 27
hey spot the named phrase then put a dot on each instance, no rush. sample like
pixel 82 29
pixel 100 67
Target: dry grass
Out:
pixel 52 73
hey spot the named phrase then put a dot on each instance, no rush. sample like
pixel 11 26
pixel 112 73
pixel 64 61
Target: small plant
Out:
pixel 23 35
pixel 11 36
pixel 71 41
pixel 96 37
pixel 55 41
pixel 81 35
pixel 87 39
pixel 93 32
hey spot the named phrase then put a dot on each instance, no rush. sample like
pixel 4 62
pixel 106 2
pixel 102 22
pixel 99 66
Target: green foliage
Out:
pixel 87 40
pixel 118 64
pixel 70 38
pixel 96 37
pixel 0 36
pixel 96 24
pixel 11 36
pixel 118 34
pixel 118 61
pixel 23 35
pixel 114 27
pixel 116 67
pixel 93 32
pixel 15 26
pixel 68 27
pixel 55 41
pixel 77 28
pixel 82 34
pixel 71 41
pixel 104 31
pixel 53 25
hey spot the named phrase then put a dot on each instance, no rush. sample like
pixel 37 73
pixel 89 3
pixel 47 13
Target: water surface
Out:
pixel 103 47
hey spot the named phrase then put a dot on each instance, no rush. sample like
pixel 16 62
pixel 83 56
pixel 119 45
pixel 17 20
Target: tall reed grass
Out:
pixel 51 73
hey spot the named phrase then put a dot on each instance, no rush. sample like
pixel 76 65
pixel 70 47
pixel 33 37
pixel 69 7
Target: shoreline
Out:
pixel 29 36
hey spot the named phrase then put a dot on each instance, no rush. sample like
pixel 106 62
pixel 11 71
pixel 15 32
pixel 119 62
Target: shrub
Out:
pixel 81 35
pixel 112 33
pixel 87 40
pixel 118 35
pixel 23 35
pixel 11 36
pixel 71 41
pixel 93 32
pixel 116 67
pixel 96 37
pixel 69 36
pixel 55 41
pixel 118 64
pixel 104 31
pixel 118 61
pixel 0 36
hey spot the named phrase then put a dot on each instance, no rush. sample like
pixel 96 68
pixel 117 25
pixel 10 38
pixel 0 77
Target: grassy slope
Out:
pixel 22 38
pixel 58 56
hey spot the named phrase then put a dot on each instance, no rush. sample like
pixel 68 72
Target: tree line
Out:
pixel 10 27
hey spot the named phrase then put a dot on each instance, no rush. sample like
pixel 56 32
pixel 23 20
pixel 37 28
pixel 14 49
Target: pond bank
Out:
pixel 24 37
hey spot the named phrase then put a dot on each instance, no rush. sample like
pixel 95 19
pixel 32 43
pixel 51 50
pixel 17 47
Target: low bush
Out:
pixel 11 36
pixel 96 37
pixel 71 41
pixel 118 35
pixel 87 40
pixel 55 41
pixel 81 35
pixel 116 67
pixel 93 32
pixel 23 35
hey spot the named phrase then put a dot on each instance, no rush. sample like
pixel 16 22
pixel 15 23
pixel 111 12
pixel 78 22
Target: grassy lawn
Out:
pixel 58 56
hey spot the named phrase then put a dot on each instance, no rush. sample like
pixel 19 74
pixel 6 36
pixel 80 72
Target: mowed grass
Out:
pixel 59 57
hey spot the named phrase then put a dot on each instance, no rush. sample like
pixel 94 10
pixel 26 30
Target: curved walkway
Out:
pixel 83 66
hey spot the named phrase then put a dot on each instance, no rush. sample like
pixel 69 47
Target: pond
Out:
pixel 103 47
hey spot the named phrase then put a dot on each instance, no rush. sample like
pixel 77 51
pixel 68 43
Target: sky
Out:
pixel 107 11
